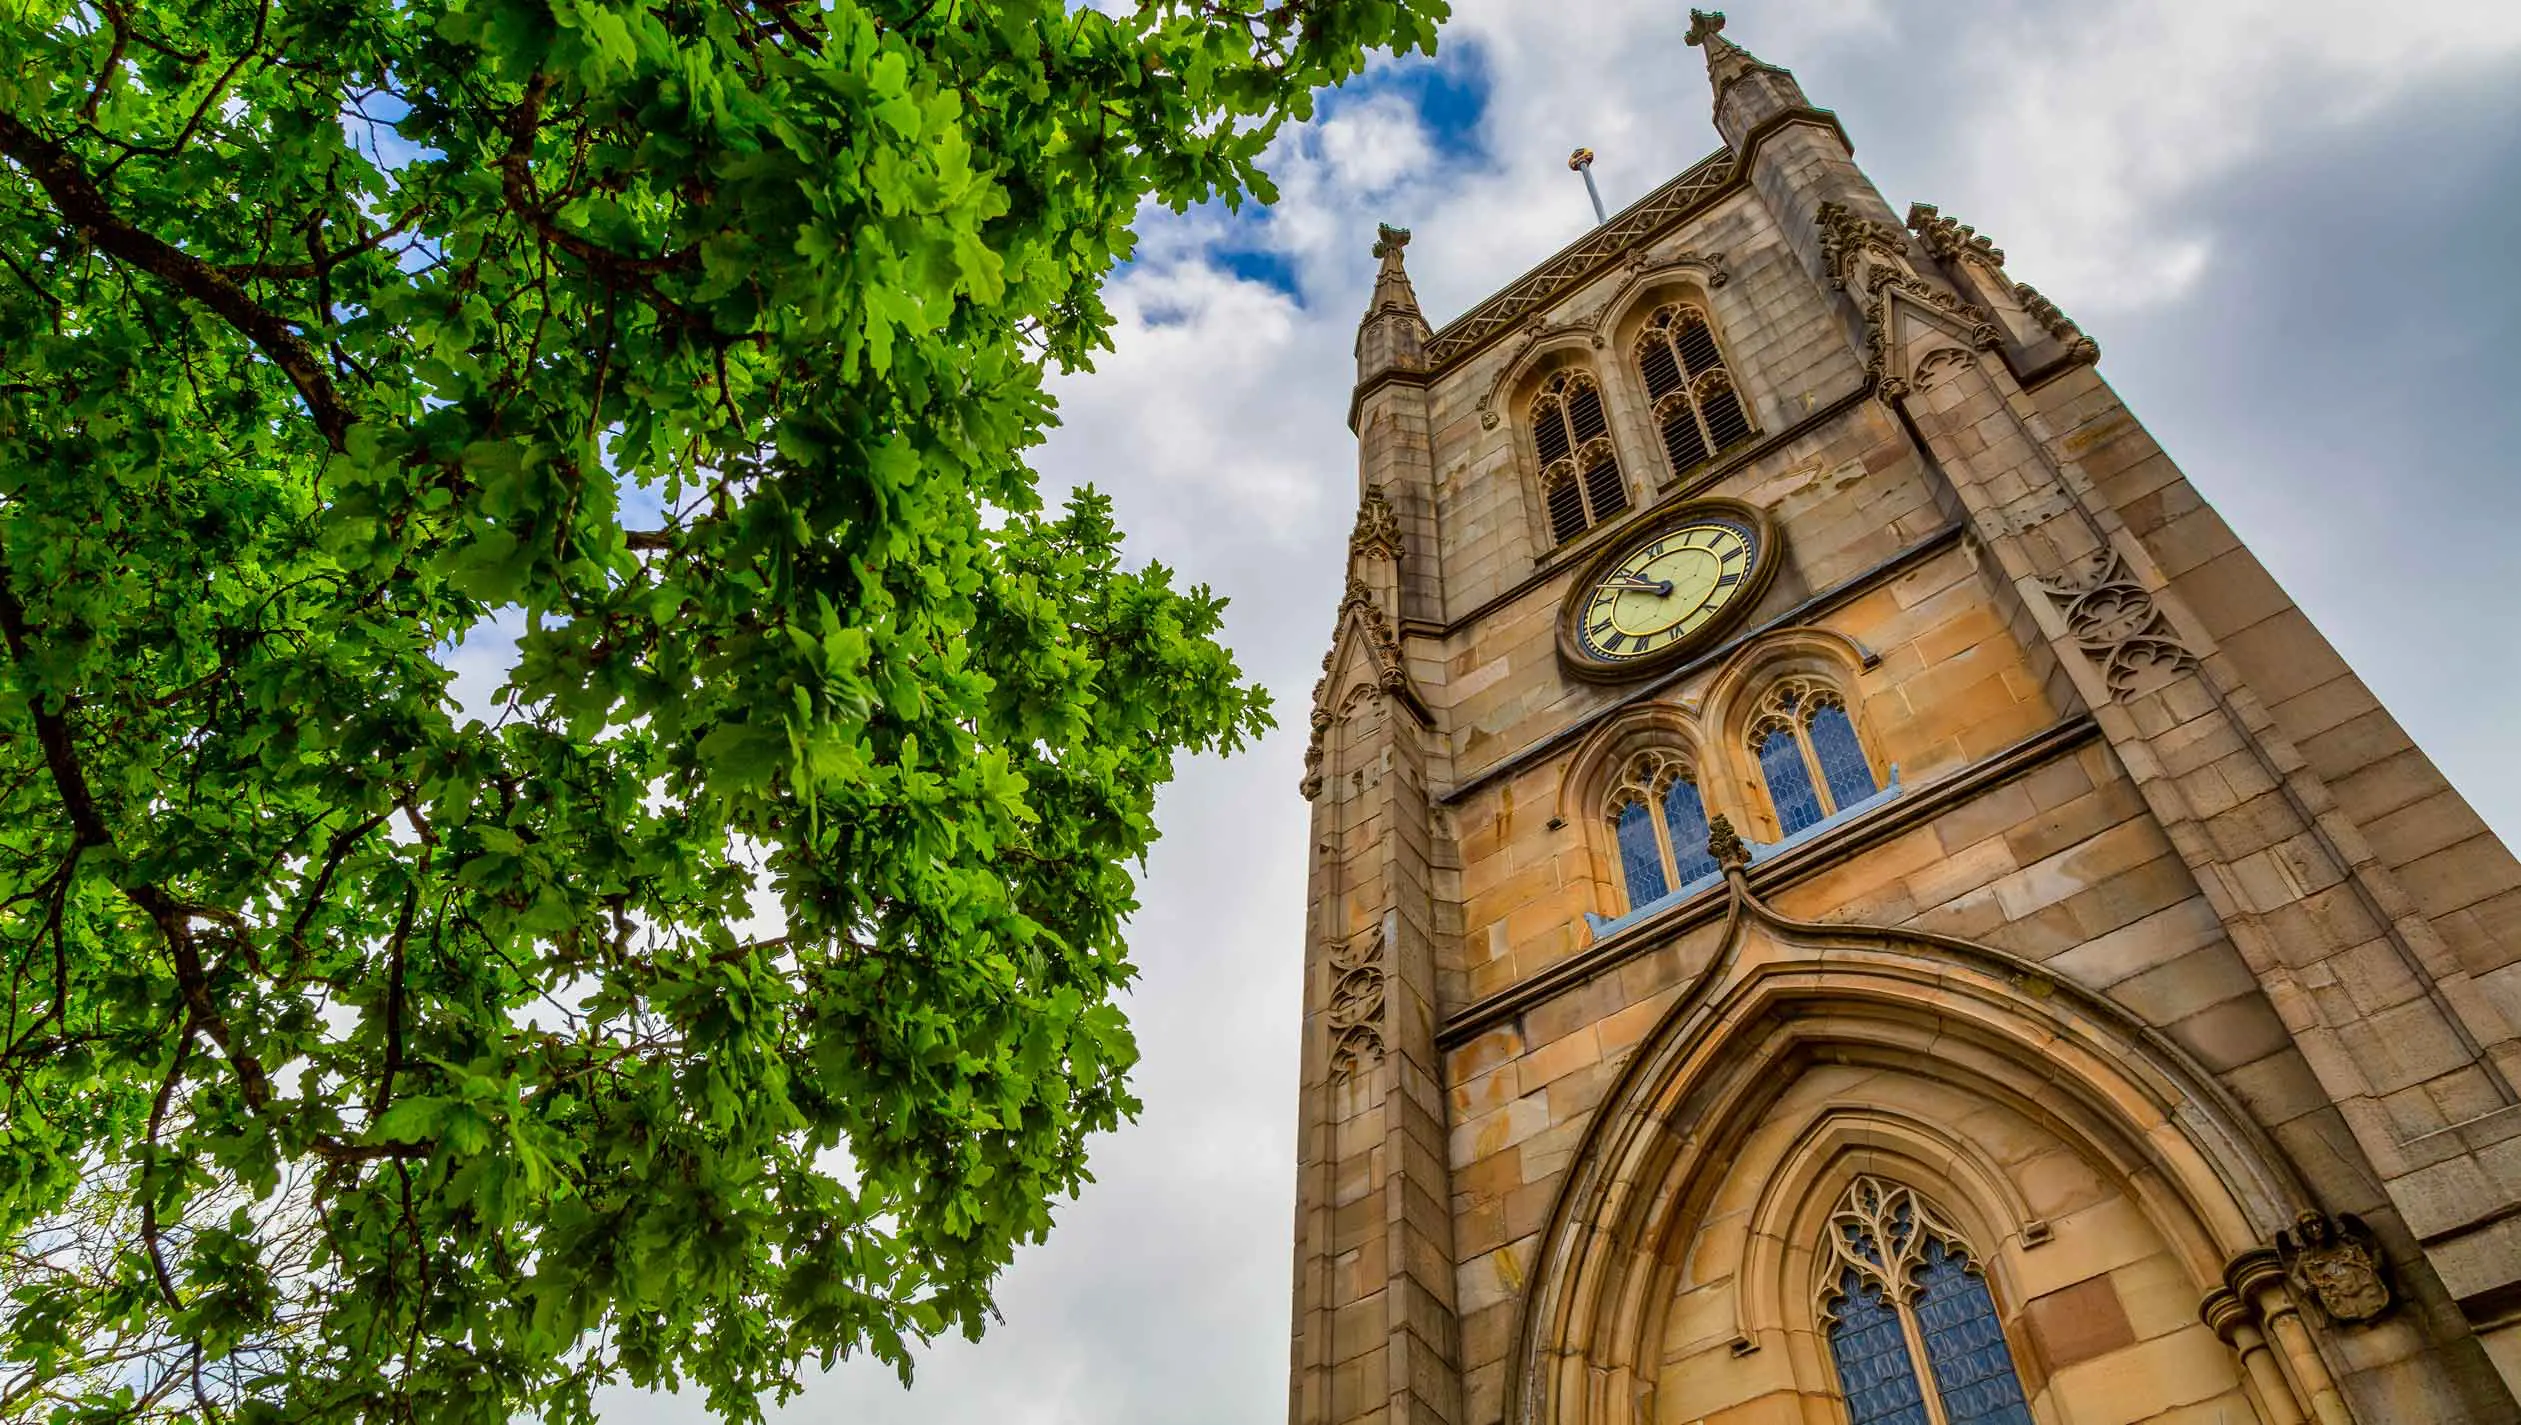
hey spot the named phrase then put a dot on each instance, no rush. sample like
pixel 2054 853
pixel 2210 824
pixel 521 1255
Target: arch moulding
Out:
pixel 1779 996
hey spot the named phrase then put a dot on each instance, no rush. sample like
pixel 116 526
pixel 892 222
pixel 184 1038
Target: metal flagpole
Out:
pixel 1582 162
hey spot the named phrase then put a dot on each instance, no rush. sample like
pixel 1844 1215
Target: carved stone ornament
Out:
pixel 1726 845
pixel 1948 240
pixel 1355 1012
pixel 1589 256
pixel 2056 323
pixel 1389 240
pixel 1378 530
pixel 1391 675
pixel 1936 365
pixel 2335 1261
pixel 1868 260
pixel 2120 628
pixel 1881 1231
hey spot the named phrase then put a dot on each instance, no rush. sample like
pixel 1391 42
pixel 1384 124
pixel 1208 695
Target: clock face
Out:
pixel 1668 589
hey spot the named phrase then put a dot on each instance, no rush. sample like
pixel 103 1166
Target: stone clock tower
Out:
pixel 1840 892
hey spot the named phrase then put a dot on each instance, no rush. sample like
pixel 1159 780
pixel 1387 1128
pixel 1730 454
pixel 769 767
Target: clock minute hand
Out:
pixel 1662 587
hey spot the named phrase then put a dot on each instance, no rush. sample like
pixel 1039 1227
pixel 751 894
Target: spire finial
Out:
pixel 1392 291
pixel 1393 332
pixel 1726 61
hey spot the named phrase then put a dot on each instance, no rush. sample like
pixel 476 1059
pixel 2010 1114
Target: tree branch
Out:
pixel 82 204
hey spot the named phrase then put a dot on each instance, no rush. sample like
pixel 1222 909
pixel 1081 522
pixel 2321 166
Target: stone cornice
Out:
pixel 1810 608
pixel 1397 376
pixel 1800 864
pixel 1586 258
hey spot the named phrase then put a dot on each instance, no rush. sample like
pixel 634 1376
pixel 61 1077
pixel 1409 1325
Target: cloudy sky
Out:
pixel 2289 223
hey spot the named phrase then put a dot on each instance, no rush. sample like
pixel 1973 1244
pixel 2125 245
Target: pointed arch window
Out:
pixel 1809 754
pixel 1696 406
pixel 1580 480
pixel 1659 820
pixel 1912 1326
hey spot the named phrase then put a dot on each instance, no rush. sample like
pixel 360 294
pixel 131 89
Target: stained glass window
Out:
pixel 1695 405
pixel 1809 753
pixel 1834 746
pixel 1871 1348
pixel 1903 1283
pixel 1640 860
pixel 1789 781
pixel 1685 817
pixel 1965 1345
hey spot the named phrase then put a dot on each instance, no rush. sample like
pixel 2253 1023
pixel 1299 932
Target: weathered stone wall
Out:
pixel 2168 934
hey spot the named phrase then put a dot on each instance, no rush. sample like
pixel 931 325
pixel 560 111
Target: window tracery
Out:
pixel 1581 483
pixel 1696 405
pixel 1659 822
pixel 1809 755
pixel 1903 1302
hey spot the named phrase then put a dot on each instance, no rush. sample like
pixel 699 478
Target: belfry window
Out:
pixel 1808 754
pixel 1695 404
pixel 1659 820
pixel 1906 1308
pixel 1580 479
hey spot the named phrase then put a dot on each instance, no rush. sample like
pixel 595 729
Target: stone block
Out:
pixel 2231 1033
pixel 2167 935
pixel 1559 1057
pixel 2077 1323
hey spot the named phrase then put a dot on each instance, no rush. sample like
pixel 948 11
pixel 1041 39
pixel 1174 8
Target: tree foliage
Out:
pixel 366 1058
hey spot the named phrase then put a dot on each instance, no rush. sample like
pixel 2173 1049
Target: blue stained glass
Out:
pixel 1850 777
pixel 1965 1346
pixel 1685 816
pixel 1789 781
pixel 1872 1354
pixel 1640 860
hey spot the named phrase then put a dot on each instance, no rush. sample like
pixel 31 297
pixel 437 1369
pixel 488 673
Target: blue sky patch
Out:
pixel 1449 92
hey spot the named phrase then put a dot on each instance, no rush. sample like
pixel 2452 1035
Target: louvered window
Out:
pixel 1696 406
pixel 1659 821
pixel 1580 476
pixel 1809 754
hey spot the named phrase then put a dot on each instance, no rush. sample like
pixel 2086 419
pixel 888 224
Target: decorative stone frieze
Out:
pixel 1355 1011
pixel 2115 620
pixel 1589 256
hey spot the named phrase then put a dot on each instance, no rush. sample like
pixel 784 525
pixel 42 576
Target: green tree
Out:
pixel 737 992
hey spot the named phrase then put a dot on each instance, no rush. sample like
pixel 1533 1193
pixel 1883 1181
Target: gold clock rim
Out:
pixel 1656 523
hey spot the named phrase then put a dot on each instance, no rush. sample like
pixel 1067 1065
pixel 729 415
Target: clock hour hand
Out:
pixel 1626 582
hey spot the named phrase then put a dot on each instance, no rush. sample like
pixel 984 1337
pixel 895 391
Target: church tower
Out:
pixel 1840 892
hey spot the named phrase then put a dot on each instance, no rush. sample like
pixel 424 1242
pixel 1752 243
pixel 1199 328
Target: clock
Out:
pixel 1673 584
